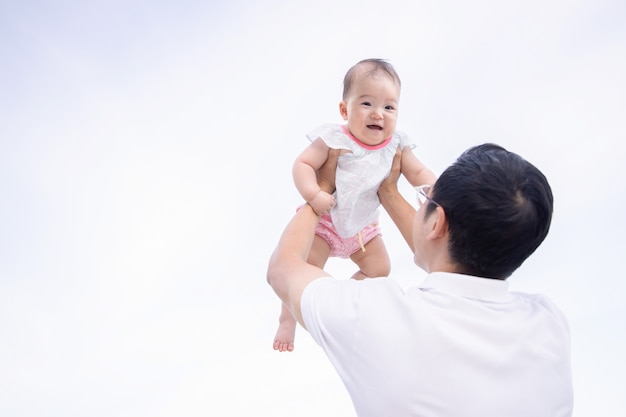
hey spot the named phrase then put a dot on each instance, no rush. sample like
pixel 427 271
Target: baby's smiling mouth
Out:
pixel 375 127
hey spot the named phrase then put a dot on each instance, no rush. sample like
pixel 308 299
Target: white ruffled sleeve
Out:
pixel 404 140
pixel 332 134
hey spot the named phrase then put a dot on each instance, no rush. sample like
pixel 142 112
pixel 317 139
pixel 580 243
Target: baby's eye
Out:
pixel 366 103
pixel 389 108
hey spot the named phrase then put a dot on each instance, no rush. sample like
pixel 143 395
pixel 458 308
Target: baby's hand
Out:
pixel 322 203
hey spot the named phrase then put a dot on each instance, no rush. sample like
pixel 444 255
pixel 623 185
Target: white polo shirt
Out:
pixel 456 345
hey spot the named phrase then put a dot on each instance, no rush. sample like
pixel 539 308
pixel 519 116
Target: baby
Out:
pixel 348 226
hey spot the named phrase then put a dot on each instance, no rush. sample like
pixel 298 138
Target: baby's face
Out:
pixel 371 107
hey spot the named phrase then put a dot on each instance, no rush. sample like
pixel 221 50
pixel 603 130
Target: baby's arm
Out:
pixel 305 176
pixel 414 170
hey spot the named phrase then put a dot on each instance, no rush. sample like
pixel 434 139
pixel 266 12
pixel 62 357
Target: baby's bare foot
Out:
pixel 285 335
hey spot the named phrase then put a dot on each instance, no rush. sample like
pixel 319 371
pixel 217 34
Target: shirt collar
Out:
pixel 493 290
pixel 364 145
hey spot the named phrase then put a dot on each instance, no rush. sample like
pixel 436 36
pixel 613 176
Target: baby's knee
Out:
pixel 379 267
pixel 373 260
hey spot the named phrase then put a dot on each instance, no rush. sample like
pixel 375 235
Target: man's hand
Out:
pixel 322 203
pixel 389 186
pixel 326 173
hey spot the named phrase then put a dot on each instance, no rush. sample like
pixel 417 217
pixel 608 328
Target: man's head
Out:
pixel 498 208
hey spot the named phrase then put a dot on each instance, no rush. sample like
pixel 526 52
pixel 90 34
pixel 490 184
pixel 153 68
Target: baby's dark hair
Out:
pixel 376 65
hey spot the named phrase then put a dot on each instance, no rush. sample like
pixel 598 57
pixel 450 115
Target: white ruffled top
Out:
pixel 359 174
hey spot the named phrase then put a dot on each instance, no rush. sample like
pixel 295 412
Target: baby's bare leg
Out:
pixel 286 333
pixel 374 262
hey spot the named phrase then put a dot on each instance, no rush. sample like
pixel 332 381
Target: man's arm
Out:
pixel 400 211
pixel 288 272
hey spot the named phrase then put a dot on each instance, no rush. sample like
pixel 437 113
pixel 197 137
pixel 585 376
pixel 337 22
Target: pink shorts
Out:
pixel 344 247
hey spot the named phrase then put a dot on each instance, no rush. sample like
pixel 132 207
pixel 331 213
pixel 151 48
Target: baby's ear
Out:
pixel 343 110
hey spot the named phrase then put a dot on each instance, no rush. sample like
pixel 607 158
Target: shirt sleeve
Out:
pixel 333 135
pixel 405 140
pixel 330 312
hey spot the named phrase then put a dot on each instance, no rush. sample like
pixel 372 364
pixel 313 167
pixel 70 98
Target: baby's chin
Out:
pixel 376 138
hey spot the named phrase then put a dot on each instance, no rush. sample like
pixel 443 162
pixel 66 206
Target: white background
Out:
pixel 145 176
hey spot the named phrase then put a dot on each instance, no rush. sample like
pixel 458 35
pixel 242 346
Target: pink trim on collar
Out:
pixel 364 145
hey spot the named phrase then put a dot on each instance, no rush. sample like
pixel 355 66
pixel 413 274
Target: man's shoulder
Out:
pixel 541 302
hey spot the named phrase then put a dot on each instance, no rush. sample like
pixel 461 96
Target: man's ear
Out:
pixel 343 110
pixel 439 227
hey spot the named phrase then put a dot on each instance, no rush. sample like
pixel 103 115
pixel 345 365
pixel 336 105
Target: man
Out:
pixel 459 344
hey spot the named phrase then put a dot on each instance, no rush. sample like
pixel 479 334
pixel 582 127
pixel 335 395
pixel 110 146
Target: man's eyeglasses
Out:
pixel 422 195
